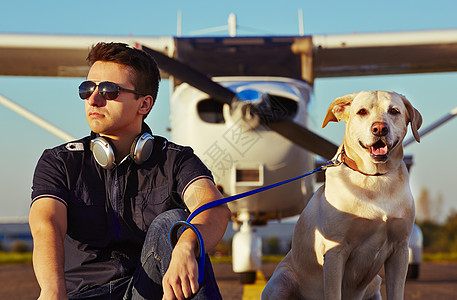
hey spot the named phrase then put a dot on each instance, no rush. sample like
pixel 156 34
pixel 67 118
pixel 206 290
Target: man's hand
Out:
pixel 181 279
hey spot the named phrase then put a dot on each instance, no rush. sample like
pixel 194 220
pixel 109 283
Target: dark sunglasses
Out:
pixel 108 90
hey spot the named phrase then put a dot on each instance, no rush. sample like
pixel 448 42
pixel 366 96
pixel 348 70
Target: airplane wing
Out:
pixel 385 53
pixel 60 55
pixel 306 57
pixel 318 56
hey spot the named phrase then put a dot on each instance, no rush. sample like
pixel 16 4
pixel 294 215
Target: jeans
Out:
pixel 146 282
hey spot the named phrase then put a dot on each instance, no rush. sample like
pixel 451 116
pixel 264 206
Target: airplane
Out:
pixel 242 104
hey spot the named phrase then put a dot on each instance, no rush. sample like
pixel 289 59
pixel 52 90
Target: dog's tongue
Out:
pixel 379 150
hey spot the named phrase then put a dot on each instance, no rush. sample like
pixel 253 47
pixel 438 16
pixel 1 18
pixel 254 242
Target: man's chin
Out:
pixel 96 128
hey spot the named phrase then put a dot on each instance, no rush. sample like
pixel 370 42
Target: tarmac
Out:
pixel 437 281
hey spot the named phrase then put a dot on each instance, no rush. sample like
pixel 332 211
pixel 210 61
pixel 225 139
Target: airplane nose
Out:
pixel 379 129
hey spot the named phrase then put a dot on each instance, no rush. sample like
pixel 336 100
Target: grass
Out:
pixel 228 259
pixel 15 258
pixel 440 257
pixel 26 258
pixel 426 257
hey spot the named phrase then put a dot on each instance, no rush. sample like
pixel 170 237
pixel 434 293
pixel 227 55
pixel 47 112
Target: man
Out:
pixel 102 206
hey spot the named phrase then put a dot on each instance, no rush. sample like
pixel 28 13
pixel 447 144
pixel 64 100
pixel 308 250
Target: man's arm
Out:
pixel 48 223
pixel 213 222
pixel 181 279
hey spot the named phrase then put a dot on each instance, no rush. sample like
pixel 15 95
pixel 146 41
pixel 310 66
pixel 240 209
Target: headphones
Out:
pixel 104 151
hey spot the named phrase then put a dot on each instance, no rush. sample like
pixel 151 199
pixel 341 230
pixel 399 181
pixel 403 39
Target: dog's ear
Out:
pixel 414 117
pixel 335 111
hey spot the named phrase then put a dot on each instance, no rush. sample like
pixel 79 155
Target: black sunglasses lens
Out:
pixel 86 89
pixel 108 90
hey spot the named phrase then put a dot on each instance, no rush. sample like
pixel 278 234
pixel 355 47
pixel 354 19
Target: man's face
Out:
pixel 112 117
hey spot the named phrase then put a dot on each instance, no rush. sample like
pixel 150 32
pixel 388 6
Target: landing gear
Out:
pixel 246 251
pixel 247 277
pixel 413 271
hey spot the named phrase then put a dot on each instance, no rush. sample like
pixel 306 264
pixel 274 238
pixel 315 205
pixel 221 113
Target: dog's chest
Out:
pixel 365 262
pixel 370 197
pixel 369 247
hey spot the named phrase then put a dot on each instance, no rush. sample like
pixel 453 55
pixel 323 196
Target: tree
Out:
pixel 450 232
pixel 19 246
pixel 428 209
pixel 440 238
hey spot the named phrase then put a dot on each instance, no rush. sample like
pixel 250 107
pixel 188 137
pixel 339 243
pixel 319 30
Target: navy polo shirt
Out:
pixel 109 211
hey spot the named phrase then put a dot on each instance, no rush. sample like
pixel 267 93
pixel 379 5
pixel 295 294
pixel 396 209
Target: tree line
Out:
pixel 438 236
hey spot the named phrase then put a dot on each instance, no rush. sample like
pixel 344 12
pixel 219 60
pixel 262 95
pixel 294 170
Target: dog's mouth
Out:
pixel 379 151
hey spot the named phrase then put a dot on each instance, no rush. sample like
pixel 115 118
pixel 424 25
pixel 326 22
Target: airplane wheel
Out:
pixel 413 271
pixel 247 277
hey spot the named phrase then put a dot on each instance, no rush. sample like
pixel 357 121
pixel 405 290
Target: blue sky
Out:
pixel 56 100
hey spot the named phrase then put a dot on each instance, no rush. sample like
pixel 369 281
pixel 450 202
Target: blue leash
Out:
pixel 173 237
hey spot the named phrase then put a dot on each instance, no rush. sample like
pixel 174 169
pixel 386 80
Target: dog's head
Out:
pixel 376 124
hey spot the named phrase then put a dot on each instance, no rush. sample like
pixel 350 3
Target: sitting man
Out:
pixel 102 206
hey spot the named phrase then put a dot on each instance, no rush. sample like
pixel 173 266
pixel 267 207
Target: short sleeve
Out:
pixel 188 168
pixel 49 179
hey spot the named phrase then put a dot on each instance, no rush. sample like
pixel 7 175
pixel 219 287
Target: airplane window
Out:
pixel 279 107
pixel 247 175
pixel 210 111
pixel 282 107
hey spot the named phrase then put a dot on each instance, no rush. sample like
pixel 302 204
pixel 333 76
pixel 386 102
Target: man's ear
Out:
pixel 414 117
pixel 335 111
pixel 146 104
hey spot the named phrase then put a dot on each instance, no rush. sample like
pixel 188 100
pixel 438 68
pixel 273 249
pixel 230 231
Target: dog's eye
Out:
pixel 362 112
pixel 394 111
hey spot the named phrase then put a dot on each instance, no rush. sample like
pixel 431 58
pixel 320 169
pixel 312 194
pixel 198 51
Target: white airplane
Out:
pixel 245 110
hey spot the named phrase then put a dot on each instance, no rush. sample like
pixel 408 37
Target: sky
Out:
pixel 56 99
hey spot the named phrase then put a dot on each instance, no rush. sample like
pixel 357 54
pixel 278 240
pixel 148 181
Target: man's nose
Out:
pixel 96 99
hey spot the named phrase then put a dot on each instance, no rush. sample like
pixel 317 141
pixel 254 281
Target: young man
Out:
pixel 102 206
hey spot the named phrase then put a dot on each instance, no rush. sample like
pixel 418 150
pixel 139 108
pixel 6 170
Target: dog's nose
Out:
pixel 379 129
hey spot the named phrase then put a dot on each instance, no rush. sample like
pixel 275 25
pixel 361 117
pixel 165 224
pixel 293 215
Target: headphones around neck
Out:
pixel 105 153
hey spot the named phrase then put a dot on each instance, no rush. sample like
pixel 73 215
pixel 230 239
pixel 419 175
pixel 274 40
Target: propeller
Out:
pixel 263 110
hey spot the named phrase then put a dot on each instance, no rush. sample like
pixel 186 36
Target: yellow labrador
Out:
pixel 362 217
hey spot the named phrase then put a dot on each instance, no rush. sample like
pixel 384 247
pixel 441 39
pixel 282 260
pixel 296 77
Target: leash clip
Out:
pixel 334 162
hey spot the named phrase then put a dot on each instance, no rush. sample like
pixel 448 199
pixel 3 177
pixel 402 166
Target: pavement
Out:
pixel 437 281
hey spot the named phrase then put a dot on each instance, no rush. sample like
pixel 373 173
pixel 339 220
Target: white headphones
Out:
pixel 104 151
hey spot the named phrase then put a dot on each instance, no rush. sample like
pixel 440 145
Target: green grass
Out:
pixel 426 257
pixel 26 258
pixel 15 258
pixel 228 259
pixel 440 257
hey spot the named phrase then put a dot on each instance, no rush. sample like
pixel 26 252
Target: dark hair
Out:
pixel 146 75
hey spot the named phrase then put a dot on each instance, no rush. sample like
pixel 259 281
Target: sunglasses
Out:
pixel 108 90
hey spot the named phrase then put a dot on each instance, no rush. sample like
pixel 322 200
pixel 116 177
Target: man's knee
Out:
pixel 169 217
pixel 157 236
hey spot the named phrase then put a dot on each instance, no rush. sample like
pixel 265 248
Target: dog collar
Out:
pixel 351 164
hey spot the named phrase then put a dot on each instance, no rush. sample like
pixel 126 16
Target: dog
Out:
pixel 361 218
